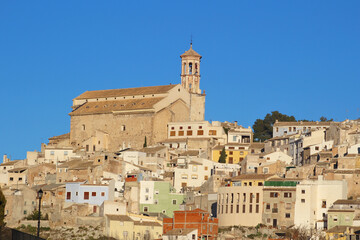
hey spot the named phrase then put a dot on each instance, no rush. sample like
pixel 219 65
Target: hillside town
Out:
pixel 143 163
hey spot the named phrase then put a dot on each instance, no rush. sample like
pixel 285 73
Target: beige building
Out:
pixel 240 201
pixel 279 202
pixel 126 116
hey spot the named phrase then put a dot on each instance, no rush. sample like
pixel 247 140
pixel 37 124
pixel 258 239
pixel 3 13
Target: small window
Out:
pixel 25 212
pixel 68 195
pixel 303 191
pixel 323 204
pixel 93 194
pixel 145 209
pixel 287 215
pixel 52 153
pixel 65 153
pixel 123 128
pixel 303 200
pixel 200 132
pixel 103 194
pixel 181 133
pixel 86 195
pixel 174 201
pixel 11 179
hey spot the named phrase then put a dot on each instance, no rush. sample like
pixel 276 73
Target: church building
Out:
pixel 111 120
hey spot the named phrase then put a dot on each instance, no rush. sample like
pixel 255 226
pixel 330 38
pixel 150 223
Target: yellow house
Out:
pixel 124 227
pixel 337 232
pixel 235 152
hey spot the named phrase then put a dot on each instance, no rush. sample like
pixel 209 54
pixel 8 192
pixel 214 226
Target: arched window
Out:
pixel 196 68
pixel 190 68
pixel 184 70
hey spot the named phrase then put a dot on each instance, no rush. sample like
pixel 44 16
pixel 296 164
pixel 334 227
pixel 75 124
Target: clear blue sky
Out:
pixel 301 58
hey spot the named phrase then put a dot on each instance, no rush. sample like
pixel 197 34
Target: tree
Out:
pixel 2 209
pixel 222 158
pixel 324 119
pixel 145 143
pixel 263 128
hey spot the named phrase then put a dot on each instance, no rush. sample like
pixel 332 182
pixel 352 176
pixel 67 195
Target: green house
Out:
pixel 159 197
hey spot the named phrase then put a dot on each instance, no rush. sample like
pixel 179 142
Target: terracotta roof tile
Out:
pixel 116 105
pixel 126 92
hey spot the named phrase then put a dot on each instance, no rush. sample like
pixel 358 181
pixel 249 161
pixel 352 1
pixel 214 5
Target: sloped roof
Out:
pixel 252 176
pixel 116 105
pixel 190 52
pixel 122 218
pixel 126 92
pixel 63 136
pixel 10 163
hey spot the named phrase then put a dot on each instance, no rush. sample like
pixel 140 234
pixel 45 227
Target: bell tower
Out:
pixel 190 71
pixel 190 80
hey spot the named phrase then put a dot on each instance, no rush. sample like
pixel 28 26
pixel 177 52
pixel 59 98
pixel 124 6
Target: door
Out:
pixel 275 223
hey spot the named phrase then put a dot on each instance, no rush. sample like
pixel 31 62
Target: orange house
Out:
pixel 207 226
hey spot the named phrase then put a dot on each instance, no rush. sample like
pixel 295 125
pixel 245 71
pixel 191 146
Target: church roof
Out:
pixel 116 105
pixel 126 92
pixel 190 52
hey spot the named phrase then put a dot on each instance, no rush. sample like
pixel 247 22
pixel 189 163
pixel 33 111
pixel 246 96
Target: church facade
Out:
pixel 110 120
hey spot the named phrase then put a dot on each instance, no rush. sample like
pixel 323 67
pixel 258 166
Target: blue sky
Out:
pixel 298 57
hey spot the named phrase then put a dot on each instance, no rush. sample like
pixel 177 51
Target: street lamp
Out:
pixel 39 196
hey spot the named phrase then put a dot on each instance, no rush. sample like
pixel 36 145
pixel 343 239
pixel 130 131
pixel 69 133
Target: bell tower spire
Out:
pixel 190 70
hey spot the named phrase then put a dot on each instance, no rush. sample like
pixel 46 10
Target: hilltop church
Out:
pixel 110 120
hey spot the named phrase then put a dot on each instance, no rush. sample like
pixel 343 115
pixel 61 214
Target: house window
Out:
pixel 20 178
pixel 200 132
pixel 52 153
pixel 146 190
pixel 212 132
pixel 123 128
pixel 323 204
pixel 83 127
pixel 68 195
pixel 181 128
pixel 172 128
pixel 156 192
pixel 172 133
pixel 268 206
pixel 25 212
pixel 174 201
pixel 65 153
pixel 287 195
pixel 257 208
pixel 93 194
pixel 288 205
pixel 200 127
pixel 103 194
pixel 145 209
pixel 250 209
pixel 335 218
pixel 316 148
pixel 287 215
pixel 265 170
pixel 303 191
pixel 156 201
pixel 189 133
pixel 274 194
pixel 231 152
pixel 194 168
pixel 303 200
pixel 181 133
pixel 244 207
pixel 206 177
pixel 184 176
pixel 194 176
pixel 86 195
